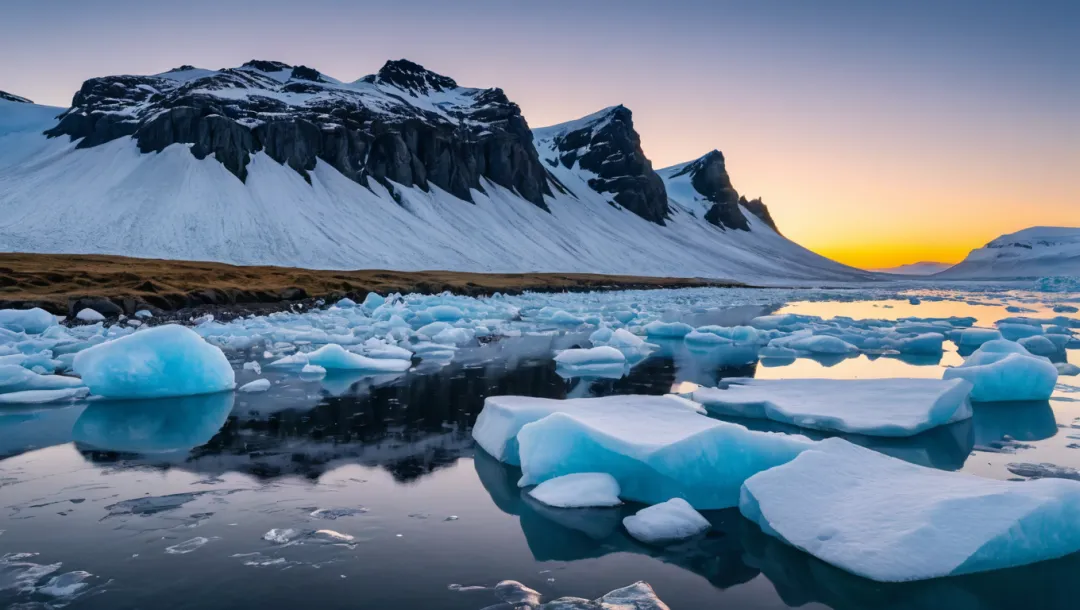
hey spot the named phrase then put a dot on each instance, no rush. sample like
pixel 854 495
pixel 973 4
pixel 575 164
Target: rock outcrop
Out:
pixel 11 97
pixel 606 145
pixel 404 125
pixel 704 184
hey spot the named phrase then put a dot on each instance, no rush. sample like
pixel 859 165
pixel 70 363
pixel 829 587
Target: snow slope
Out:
pixel 1033 252
pixel 113 199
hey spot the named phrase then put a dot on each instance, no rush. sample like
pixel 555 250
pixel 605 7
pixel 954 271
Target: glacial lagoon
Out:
pixel 358 490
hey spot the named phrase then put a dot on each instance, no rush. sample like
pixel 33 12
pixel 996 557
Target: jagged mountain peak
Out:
pixel 11 97
pixel 606 145
pixel 264 65
pixel 411 76
pixel 703 187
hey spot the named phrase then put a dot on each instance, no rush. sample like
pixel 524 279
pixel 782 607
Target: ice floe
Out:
pixel 1001 370
pixel 875 407
pixel 656 447
pixel 888 520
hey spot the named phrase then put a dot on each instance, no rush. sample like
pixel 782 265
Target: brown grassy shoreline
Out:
pixel 64 283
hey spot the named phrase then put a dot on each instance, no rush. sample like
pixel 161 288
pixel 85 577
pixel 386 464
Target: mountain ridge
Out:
pixel 269 163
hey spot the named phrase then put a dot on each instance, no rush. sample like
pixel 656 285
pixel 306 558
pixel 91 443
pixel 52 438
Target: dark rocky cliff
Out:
pixel 607 145
pixel 709 177
pixel 404 124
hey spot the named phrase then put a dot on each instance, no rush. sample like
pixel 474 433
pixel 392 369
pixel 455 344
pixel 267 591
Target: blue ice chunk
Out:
pixel 31 321
pixel 669 330
pixel 1005 371
pixel 656 447
pixel 163 361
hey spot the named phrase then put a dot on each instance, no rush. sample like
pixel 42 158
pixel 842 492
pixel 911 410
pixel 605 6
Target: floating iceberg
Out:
pixel 163 361
pixel 974 337
pixel 502 417
pixel 656 447
pixel 888 520
pixel 1040 345
pixel 590 356
pixel 578 490
pixel 335 357
pixel 31 321
pixel 668 330
pixel 875 407
pixel 666 522
pixel 1004 371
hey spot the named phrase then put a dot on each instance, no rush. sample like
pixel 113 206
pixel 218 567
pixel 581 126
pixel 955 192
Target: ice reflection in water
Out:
pixel 109 488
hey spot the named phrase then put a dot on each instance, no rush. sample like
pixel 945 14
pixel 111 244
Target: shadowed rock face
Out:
pixel 11 97
pixel 709 177
pixel 608 146
pixel 404 124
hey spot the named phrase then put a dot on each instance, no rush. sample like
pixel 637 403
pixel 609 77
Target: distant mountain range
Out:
pixel 920 268
pixel 1033 252
pixel 268 163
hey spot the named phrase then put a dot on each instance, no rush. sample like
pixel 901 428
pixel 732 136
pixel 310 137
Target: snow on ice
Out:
pixel 578 490
pixel 666 522
pixel 888 520
pixel 875 407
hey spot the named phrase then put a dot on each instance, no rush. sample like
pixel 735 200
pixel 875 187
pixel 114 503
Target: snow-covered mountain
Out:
pixel 920 268
pixel 1033 252
pixel 268 163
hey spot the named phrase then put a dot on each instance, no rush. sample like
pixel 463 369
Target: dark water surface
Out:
pixel 367 492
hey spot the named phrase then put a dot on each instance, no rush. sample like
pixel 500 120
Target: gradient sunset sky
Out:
pixel 879 133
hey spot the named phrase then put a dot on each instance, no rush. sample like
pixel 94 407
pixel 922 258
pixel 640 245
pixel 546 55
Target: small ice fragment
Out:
pixel 187 546
pixel 259 385
pixel 590 356
pixel 89 315
pixel 667 521
pixel 578 490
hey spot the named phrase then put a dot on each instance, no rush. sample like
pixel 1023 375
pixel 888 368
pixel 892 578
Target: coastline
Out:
pixel 65 283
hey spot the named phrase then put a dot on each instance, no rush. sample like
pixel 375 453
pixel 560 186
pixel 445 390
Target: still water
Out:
pixel 367 492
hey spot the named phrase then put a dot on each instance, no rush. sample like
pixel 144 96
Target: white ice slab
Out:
pixel 888 520
pixel 578 490
pixel 875 407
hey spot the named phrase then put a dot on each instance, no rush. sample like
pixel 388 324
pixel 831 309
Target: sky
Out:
pixel 878 133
